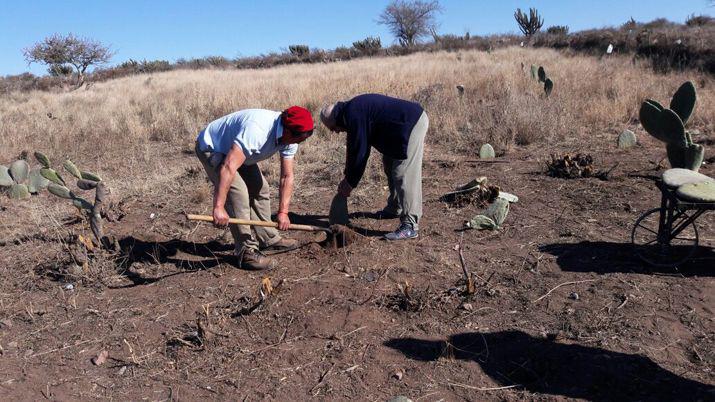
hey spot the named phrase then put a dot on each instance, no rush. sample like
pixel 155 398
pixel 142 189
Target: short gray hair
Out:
pixel 327 115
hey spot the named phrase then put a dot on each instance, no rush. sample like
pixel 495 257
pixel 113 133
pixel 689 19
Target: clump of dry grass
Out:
pixel 132 130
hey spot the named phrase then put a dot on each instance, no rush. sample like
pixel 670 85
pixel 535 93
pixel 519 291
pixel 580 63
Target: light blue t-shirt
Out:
pixel 256 131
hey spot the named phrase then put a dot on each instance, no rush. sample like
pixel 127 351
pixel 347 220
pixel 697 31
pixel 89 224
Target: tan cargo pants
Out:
pixel 404 177
pixel 249 197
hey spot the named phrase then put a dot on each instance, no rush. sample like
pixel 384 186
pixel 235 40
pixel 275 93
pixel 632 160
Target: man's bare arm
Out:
pixel 227 172
pixel 285 193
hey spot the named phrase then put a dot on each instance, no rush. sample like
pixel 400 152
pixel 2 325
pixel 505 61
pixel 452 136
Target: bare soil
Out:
pixel 563 309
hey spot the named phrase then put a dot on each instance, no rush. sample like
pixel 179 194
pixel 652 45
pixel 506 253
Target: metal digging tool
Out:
pixel 336 236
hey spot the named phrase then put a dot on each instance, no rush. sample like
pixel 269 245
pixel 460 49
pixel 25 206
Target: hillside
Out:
pixel 563 308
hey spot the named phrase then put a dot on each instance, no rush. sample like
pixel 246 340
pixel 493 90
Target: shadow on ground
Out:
pixel 543 366
pixel 608 257
pixel 197 256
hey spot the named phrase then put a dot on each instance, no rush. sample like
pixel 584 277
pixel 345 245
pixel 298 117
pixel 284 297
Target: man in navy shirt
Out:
pixel 396 128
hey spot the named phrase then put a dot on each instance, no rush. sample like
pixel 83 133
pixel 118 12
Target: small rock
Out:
pixel 400 398
pixel 101 358
pixel 570 311
pixel 122 371
pixel 69 286
pixel 573 296
pixel 467 306
pixel 152 215
pixel 398 374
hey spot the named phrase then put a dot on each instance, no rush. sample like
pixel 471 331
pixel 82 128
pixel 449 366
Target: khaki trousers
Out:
pixel 404 177
pixel 248 198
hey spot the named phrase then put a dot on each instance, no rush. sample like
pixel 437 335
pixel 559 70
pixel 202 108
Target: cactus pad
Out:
pixel 534 72
pixel 683 102
pixel 486 152
pixel 19 192
pixel 86 184
pixel 649 115
pixel 548 86
pixel 498 211
pixel 60 191
pixel 19 170
pixel 72 169
pixel 90 176
pixel 5 178
pixel 51 175
pixel 36 182
pixel 627 139
pixel 542 74
pixel 81 203
pixel 43 159
pixel 703 192
pixel 480 222
pixel 672 128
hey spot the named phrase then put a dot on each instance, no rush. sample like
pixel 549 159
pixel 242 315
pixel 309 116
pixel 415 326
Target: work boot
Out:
pixel 284 244
pixel 254 260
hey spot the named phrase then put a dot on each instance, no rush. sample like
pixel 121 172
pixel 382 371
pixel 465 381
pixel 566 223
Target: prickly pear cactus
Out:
pixel 627 139
pixel 5 178
pixel 43 159
pixel 542 74
pixel 668 125
pixel 36 182
pixel 486 152
pixel 20 171
pixel 15 179
pixel 548 86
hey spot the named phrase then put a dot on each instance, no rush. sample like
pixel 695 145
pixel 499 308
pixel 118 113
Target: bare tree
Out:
pixel 59 51
pixel 410 20
pixel 530 24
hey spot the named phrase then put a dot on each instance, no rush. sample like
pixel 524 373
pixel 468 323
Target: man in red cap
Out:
pixel 235 144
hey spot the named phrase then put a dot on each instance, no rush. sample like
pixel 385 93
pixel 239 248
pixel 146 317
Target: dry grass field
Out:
pixel 341 325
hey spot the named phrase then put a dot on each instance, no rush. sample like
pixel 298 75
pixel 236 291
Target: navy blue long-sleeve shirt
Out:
pixel 379 121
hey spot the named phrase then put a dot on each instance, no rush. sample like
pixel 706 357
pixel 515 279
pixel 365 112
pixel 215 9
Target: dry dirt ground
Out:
pixel 562 308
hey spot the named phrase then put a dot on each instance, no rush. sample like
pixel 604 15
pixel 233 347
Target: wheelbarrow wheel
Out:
pixel 663 249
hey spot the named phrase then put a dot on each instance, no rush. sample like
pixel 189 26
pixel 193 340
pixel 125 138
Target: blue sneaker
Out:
pixel 404 232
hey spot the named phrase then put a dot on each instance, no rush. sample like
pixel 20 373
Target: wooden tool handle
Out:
pixel 207 218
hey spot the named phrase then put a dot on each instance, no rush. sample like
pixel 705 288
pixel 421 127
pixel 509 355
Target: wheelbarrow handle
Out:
pixel 306 228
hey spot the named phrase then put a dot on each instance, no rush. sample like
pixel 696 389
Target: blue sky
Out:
pixel 162 29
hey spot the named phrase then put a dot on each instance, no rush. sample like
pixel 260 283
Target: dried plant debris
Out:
pixel 574 167
pixel 477 192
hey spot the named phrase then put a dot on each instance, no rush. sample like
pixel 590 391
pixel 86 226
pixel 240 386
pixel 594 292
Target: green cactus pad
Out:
pixel 627 139
pixel 703 192
pixel 486 152
pixel 688 157
pixel 649 115
pixel 60 191
pixel 72 169
pixel 676 177
pixel 672 128
pixel 534 72
pixel 86 184
pixel 480 222
pixel 5 178
pixel 81 203
pixel 655 103
pixel 542 74
pixel 19 170
pixel 19 192
pixel 91 176
pixel 51 175
pixel 548 86
pixel 43 159
pixel 683 102
pixel 36 182
pixel 498 211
